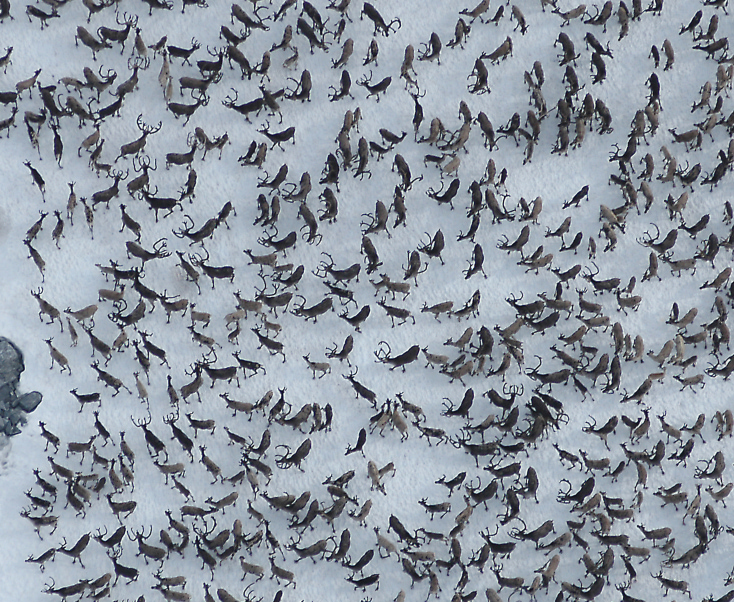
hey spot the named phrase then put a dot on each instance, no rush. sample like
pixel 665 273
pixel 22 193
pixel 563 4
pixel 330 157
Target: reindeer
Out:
pixel 383 355
pixel 147 550
pixel 379 23
pixel 69 590
pixel 187 110
pixel 219 272
pixel 217 144
pixel 340 276
pixel 288 459
pixel 500 53
pixel 57 357
pixel 155 445
pixel 46 308
pixel 314 311
pixel 193 387
pixel 311 224
pixel 434 246
pixel 277 138
pixel 135 147
pixel 106 195
pixel 159 251
pixel 58 231
pixel 41 559
pixel 196 236
pixel 87 39
pixel 302 90
pixel 227 373
pixel 434 44
pixel 378 221
pixel 183 158
pixel 274 347
pixel 118 35
pixel 6 124
pixel 377 88
pixel 188 190
pixel 254 106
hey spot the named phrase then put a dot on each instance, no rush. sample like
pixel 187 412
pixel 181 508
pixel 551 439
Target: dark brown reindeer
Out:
pixel 193 387
pixel 278 138
pixel 119 35
pixel 41 559
pixel 431 50
pixel 345 85
pixel 188 190
pixel 287 459
pixel 45 308
pixel 360 389
pixel 343 276
pixel 155 445
pixel 312 235
pixel 302 90
pixel 159 251
pixel 274 347
pixel 147 550
pixel 276 181
pixel 135 147
pixel 217 144
pixel 129 573
pixel 377 88
pixel 89 41
pixel 183 53
pixel 106 195
pixel 250 23
pixel 183 158
pixel 315 310
pixel 378 21
pixel 304 28
pixel 227 373
pixel 434 246
pixel 343 354
pixel 218 272
pixel 378 221
pixel 211 70
pixel 142 165
pixel 187 110
pixel 279 245
pixel 196 236
pixel 245 108
pixel 383 355
pixel 69 590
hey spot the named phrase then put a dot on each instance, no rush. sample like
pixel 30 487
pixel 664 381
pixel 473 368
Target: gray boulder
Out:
pixel 16 417
pixel 11 429
pixel 29 401
pixel 13 408
pixel 11 362
pixel 7 396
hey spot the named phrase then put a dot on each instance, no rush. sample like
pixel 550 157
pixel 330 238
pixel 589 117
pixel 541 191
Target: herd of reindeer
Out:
pixel 488 523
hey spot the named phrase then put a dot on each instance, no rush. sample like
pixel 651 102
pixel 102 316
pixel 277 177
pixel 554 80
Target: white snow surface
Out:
pixel 72 281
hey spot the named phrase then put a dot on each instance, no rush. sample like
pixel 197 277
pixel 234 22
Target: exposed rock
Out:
pixel 16 417
pixel 13 408
pixel 11 429
pixel 29 401
pixel 7 395
pixel 11 362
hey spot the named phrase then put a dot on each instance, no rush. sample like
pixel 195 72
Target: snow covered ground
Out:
pixel 72 280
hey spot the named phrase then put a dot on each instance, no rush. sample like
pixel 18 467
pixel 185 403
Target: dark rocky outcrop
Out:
pixel 13 406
